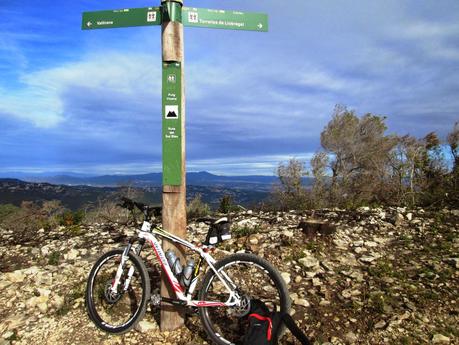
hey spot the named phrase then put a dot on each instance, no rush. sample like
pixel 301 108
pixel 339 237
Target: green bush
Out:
pixel 7 210
pixel 71 218
pixel 197 208
pixel 242 231
pixel 54 258
pixel 227 204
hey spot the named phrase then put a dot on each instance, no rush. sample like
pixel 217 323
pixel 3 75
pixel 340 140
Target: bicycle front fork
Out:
pixel 119 271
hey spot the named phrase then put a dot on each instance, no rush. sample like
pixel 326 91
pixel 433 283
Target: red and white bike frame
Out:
pixel 233 297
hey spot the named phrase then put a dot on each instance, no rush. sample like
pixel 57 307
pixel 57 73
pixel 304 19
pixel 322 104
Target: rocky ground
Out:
pixel 371 276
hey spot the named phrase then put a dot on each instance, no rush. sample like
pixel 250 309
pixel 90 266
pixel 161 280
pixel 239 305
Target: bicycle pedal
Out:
pixel 155 300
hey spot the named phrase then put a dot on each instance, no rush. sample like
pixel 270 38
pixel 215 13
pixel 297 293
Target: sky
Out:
pixel 90 101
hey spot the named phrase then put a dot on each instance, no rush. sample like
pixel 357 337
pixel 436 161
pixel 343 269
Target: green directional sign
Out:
pixel 172 123
pixel 222 19
pixel 121 18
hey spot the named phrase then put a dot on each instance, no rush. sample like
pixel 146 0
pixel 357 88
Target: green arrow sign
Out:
pixel 221 19
pixel 121 18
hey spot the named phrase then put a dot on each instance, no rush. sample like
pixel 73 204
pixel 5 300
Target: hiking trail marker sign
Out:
pixel 172 16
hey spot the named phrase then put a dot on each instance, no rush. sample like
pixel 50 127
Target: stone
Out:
pixel 247 223
pixel 44 292
pixel 309 262
pixel 358 243
pixel 286 277
pixel 359 250
pixel 298 279
pixel 369 259
pixel 287 233
pixel 72 254
pixel 440 339
pixel 371 244
pixel 302 302
pixel 409 216
pixel 348 293
pixel 324 303
pixel 15 277
pixel 7 334
pixel 398 219
pixel 15 321
pixel 4 284
pixel 350 338
pixel 40 302
pixel 380 324
pixel 316 282
pixel 57 301
pixel 340 244
pixel 42 307
pixel 298 300
pixel 253 240
pixel 145 326
pixel 358 276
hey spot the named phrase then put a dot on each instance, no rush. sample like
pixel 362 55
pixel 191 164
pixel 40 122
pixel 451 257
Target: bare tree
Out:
pixel 319 163
pixel 290 193
pixel 360 151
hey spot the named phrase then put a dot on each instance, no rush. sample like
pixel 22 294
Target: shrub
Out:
pixel 227 204
pixel 54 258
pixel 197 208
pixel 243 231
pixel 71 218
pixel 7 210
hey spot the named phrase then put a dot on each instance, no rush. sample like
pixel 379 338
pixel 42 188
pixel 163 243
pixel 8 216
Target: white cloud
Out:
pixel 40 100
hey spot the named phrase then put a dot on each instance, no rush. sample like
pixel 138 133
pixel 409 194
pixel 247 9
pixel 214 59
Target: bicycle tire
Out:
pixel 96 293
pixel 224 334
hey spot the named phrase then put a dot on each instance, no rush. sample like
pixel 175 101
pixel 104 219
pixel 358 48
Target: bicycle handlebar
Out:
pixel 148 211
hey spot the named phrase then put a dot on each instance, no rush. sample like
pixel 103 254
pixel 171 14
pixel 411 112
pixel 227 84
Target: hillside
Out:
pixel 15 191
pixel 373 276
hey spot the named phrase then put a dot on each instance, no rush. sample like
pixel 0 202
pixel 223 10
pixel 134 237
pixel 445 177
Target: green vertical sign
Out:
pixel 172 123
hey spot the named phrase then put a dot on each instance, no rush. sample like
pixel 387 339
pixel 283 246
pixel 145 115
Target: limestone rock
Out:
pixel 15 277
pixel 440 339
pixel 146 326
pixel 286 277
pixel 351 338
pixel 309 262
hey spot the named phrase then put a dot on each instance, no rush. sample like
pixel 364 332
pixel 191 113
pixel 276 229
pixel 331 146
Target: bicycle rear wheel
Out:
pixel 255 278
pixel 120 311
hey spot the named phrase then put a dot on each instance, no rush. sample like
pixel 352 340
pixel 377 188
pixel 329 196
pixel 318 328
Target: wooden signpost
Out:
pixel 172 16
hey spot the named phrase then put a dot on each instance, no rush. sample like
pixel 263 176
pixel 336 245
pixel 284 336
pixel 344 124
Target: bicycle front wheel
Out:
pixel 254 278
pixel 117 312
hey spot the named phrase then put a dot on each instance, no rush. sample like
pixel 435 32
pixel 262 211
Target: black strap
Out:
pixel 296 331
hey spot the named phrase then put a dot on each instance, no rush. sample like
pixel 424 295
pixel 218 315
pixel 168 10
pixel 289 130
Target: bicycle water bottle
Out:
pixel 187 273
pixel 174 262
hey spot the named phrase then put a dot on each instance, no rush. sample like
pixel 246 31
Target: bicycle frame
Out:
pixel 184 297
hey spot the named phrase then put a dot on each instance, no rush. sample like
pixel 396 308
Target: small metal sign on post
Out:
pixel 172 16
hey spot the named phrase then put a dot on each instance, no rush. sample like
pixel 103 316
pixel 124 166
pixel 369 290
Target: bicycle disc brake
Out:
pixel 109 295
pixel 243 309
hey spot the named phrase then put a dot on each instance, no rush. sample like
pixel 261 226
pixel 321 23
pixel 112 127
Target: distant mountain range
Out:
pixel 76 191
pixel 203 178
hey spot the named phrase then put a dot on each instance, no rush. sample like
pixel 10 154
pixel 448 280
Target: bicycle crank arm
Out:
pixel 156 300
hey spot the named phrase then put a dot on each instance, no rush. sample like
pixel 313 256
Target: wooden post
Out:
pixel 174 197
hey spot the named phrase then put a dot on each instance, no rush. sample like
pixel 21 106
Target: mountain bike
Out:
pixel 119 285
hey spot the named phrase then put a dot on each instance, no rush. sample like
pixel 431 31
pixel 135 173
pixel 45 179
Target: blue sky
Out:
pixel 90 101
